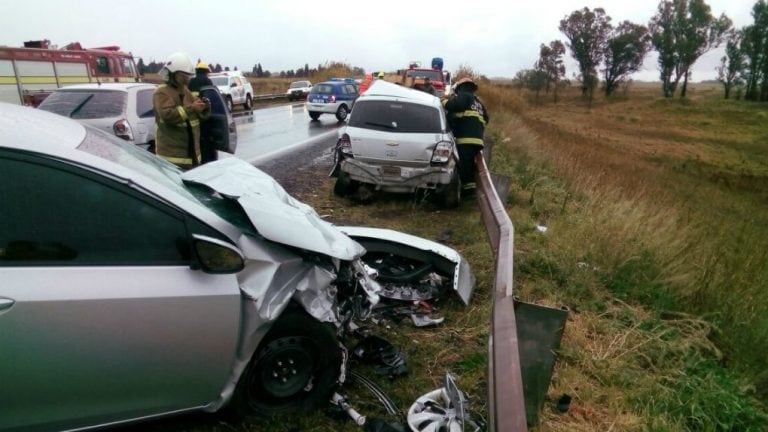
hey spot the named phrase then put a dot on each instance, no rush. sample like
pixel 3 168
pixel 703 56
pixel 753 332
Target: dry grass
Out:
pixel 646 200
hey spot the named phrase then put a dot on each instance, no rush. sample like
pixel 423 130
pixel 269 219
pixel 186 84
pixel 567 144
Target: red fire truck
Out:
pixel 27 75
pixel 415 75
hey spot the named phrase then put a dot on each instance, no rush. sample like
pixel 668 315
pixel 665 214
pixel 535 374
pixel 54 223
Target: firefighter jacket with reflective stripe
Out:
pixel 467 117
pixel 177 137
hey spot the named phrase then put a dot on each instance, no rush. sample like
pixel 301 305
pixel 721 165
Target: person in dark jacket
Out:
pixel 207 147
pixel 468 117
pixel 200 79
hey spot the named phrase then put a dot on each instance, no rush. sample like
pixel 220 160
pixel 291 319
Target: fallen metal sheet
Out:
pixel 539 331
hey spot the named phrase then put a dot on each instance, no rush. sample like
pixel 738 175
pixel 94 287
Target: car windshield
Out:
pixel 400 117
pixel 220 81
pixel 299 84
pixel 113 149
pixel 86 104
pixel 323 89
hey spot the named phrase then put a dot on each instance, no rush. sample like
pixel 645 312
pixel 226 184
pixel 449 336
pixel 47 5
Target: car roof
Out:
pixel 37 130
pixel 106 86
pixel 385 90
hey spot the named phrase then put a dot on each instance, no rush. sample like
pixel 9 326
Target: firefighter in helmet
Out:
pixel 468 117
pixel 178 114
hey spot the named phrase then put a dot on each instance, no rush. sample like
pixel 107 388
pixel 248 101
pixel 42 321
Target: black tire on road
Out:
pixel 294 370
pixel 314 115
pixel 230 105
pixel 341 113
pixel 248 103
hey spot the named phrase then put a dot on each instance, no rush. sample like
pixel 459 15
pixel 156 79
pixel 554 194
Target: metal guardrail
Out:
pixel 506 401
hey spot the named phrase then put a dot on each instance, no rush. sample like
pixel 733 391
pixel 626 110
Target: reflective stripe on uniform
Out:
pixel 195 94
pixel 468 140
pixel 182 113
pixel 471 113
pixel 176 160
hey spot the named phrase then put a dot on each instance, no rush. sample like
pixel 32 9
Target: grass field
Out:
pixel 657 239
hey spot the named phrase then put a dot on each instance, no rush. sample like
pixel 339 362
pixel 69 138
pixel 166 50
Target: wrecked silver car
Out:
pixel 132 290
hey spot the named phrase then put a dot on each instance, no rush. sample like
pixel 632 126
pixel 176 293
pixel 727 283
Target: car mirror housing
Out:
pixel 215 256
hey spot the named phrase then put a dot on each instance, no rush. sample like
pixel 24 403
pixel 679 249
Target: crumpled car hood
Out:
pixel 276 215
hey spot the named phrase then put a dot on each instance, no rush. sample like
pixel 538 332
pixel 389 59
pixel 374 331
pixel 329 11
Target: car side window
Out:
pixel 144 107
pixel 350 89
pixel 64 216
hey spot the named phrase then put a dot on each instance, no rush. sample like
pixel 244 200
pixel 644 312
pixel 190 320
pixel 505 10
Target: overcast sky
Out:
pixel 496 38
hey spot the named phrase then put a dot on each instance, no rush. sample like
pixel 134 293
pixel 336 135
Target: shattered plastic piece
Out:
pixel 421 320
pixel 378 351
pixel 564 403
pixel 541 228
pixel 343 403
pixel 444 409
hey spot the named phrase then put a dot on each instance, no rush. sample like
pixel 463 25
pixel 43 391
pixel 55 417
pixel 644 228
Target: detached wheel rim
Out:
pixel 286 367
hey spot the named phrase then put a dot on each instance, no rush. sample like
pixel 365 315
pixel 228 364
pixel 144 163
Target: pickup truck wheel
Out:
pixel 294 369
pixel 230 105
pixel 314 115
pixel 248 103
pixel 341 113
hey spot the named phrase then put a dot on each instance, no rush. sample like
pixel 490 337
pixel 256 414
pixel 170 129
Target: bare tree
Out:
pixel 587 32
pixel 624 54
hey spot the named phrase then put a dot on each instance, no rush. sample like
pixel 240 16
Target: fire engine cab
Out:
pixel 27 75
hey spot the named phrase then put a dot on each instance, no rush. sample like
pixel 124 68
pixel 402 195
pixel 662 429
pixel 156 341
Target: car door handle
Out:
pixel 6 303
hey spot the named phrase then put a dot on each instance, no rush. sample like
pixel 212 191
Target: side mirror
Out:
pixel 215 256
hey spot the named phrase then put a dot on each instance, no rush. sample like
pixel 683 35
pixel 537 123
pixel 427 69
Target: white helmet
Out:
pixel 179 62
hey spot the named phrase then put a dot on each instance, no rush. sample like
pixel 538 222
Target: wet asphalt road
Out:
pixel 283 133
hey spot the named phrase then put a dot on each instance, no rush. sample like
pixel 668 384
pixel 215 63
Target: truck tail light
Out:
pixel 332 99
pixel 442 152
pixel 123 130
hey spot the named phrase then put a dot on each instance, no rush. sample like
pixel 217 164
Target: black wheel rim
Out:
pixel 286 367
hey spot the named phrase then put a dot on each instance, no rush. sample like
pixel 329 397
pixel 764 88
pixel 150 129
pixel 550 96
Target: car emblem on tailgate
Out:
pixel 393 144
pixel 391 153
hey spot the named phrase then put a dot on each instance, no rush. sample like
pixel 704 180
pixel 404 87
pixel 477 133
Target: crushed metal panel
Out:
pixel 276 215
pixel 539 331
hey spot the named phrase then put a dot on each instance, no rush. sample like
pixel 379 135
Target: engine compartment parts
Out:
pixel 343 403
pixel 387 359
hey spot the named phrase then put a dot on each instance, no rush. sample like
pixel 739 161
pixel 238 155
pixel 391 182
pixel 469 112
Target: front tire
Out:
pixel 248 103
pixel 294 370
pixel 341 113
pixel 230 105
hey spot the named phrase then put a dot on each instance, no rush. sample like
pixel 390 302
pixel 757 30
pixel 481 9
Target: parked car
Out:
pixel 237 90
pixel 123 109
pixel 332 97
pixel 133 290
pixel 397 140
pixel 298 90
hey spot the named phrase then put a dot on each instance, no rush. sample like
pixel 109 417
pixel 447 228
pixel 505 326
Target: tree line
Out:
pixel 680 32
pixel 257 71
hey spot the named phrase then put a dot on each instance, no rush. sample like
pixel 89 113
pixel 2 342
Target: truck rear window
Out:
pixel 398 117
pixel 86 104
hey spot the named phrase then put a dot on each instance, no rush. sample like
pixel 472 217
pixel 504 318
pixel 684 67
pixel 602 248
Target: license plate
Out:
pixel 318 101
pixel 390 171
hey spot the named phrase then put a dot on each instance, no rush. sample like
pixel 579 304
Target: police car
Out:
pixel 332 97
